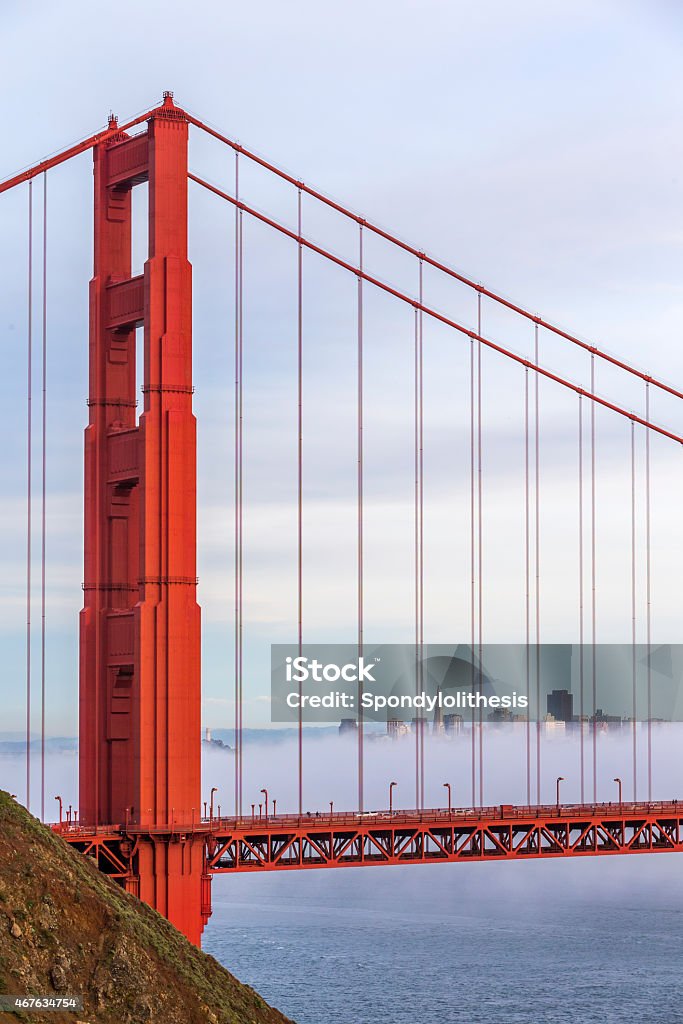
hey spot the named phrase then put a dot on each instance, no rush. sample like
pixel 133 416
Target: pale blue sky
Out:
pixel 536 147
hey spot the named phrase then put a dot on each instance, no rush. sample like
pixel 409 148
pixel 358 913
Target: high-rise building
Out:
pixel 437 725
pixel 396 727
pixel 560 704
pixel 452 724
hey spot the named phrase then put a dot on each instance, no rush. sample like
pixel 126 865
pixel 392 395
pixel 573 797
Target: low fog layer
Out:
pixel 330 767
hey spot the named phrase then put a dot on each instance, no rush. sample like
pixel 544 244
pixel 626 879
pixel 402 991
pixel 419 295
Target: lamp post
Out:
pixel 331 808
pixel 214 789
pixel 265 794
pixel 391 796
pixel 59 799
pixel 447 786
pixel 274 807
pixel 560 778
pixel 618 782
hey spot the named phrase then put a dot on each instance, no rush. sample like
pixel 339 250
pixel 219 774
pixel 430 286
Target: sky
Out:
pixel 535 147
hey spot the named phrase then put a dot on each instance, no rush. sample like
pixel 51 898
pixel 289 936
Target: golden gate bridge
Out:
pixel 140 691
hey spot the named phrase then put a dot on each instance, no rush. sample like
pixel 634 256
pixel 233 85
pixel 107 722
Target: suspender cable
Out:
pixel 416 460
pixel 633 606
pixel 238 496
pixel 537 531
pixel 241 486
pixel 43 520
pixel 29 453
pixel 236 490
pixel 648 595
pixel 527 575
pixel 422 725
pixel 581 632
pixel 480 555
pixel 473 577
pixel 360 513
pixel 300 486
pixel 419 552
pixel 594 736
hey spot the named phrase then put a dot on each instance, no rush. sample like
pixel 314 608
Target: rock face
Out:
pixel 66 929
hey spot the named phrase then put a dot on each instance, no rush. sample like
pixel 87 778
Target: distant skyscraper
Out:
pixel 452 724
pixel 396 727
pixel 560 704
pixel 347 725
pixel 438 726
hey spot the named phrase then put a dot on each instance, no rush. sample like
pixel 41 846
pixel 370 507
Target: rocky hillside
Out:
pixel 66 929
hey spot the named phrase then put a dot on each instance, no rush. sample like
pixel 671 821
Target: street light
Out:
pixel 60 808
pixel 331 808
pixel 560 778
pixel 618 782
pixel 265 793
pixel 447 786
pixel 214 789
pixel 391 796
pixel 274 807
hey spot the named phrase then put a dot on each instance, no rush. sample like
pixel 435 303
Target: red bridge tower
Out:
pixel 140 742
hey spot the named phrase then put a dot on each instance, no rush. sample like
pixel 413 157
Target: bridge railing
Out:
pixel 353 819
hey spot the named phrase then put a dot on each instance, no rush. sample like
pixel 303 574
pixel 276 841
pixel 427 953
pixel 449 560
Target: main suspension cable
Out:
pixel 435 314
pixel 443 268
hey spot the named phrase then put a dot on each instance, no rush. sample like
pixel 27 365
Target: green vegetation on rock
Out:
pixel 67 929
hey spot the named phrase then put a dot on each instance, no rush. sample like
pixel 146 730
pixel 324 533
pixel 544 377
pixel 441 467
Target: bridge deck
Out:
pixel 344 839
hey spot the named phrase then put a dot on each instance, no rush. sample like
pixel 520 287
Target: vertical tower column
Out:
pixel 140 745
pixel 107 671
pixel 167 617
